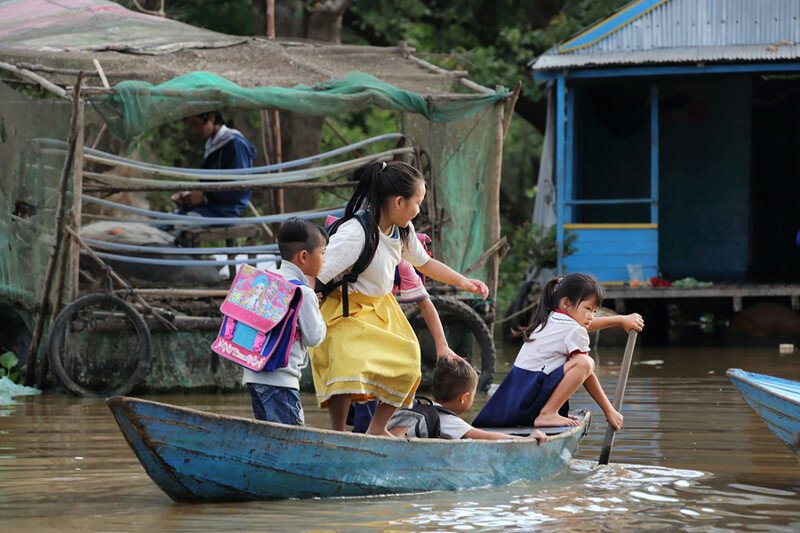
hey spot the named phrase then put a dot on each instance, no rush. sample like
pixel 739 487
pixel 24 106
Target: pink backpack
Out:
pixel 259 320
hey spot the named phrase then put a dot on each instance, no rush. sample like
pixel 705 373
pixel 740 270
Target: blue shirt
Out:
pixel 236 153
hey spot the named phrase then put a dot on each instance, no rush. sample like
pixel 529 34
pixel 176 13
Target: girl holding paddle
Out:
pixel 554 361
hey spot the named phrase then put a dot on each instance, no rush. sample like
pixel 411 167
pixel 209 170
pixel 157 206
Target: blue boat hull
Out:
pixel 776 400
pixel 203 457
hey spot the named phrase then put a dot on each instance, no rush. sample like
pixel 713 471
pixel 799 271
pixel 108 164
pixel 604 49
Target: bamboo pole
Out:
pixel 77 200
pixel 494 197
pixel 44 83
pixel 622 381
pixel 227 181
pixel 278 153
pixel 459 74
pixel 512 104
pixel 496 248
pixel 40 367
pixel 339 135
pixel 98 184
pixel 270 19
pixel 183 294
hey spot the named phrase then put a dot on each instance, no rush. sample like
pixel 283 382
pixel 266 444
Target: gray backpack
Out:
pixel 421 419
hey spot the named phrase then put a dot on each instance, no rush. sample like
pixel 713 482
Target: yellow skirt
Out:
pixel 371 354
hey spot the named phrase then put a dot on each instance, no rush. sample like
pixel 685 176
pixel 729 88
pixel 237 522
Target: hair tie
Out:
pixel 383 166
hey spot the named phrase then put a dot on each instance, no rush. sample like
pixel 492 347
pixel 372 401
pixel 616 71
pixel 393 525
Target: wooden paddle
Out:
pixel 624 369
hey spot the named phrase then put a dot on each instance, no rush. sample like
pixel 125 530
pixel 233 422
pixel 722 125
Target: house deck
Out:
pixel 735 291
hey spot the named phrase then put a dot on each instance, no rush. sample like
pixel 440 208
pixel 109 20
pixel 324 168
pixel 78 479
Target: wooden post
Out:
pixel 77 199
pixel 494 198
pixel 270 19
pixel 38 368
pixel 278 152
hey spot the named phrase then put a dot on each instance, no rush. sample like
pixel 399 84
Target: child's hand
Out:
pixel 614 418
pixel 538 436
pixel 633 321
pixel 445 351
pixel 476 286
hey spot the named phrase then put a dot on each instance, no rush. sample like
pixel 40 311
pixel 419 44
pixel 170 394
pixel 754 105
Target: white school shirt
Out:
pixel 551 346
pixel 378 279
pixel 452 427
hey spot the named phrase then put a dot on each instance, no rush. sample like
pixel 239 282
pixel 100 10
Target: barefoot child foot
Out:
pixel 546 420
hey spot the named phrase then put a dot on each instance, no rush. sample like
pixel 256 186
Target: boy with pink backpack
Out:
pixel 271 319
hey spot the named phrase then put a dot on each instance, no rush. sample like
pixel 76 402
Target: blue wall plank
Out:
pixel 605 253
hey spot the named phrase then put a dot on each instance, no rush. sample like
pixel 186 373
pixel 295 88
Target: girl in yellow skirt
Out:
pixel 371 352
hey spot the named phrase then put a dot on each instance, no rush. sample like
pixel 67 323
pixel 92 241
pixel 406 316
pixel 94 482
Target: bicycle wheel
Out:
pixel 99 346
pixel 466 333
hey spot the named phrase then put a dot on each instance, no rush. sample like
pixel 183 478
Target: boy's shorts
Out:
pixel 276 404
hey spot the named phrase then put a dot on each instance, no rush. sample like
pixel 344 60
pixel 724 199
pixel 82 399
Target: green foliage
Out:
pixel 233 17
pixel 7 363
pixel 494 41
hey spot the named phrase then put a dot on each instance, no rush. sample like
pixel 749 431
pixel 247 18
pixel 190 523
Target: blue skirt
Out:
pixel 519 398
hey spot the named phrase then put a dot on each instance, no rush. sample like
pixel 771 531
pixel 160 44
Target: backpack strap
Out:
pixel 361 264
pixel 430 413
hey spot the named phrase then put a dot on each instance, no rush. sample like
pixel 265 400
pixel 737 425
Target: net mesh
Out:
pixel 139 106
pixel 29 179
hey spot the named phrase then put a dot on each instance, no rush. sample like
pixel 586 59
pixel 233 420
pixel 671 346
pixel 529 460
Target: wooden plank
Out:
pixel 721 291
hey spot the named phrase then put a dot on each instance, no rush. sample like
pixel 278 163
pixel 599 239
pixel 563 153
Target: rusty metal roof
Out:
pixel 684 31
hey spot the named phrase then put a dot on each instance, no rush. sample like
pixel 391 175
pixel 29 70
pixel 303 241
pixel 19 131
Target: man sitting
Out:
pixel 225 148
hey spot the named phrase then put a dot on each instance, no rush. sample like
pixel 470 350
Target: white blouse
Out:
pixel 378 279
pixel 551 346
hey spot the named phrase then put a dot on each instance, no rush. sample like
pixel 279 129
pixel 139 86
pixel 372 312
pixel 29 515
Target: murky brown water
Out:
pixel 692 456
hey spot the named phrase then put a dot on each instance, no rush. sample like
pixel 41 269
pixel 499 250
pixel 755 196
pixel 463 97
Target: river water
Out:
pixel 692 456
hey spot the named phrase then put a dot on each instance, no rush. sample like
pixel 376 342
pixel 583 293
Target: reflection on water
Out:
pixel 692 456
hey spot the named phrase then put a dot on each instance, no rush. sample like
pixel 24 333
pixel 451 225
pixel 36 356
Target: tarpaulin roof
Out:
pixel 91 25
pixel 59 38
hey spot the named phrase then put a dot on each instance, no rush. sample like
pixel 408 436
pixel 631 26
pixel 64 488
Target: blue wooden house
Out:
pixel 677 141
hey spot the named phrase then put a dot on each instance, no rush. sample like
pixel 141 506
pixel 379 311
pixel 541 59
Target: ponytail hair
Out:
pixel 377 183
pixel 574 287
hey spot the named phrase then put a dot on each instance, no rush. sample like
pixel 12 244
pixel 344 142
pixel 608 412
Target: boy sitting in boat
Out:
pixel 454 386
pixel 276 395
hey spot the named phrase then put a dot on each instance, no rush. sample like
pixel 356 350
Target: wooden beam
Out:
pixel 77 200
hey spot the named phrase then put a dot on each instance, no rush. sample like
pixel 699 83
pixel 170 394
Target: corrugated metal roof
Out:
pixel 694 30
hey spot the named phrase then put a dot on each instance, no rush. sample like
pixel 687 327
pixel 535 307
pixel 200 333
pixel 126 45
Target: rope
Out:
pixel 209 221
pixel 112 246
pixel 186 262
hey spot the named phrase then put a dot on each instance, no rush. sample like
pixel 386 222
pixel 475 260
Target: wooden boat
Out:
pixel 776 400
pixel 203 457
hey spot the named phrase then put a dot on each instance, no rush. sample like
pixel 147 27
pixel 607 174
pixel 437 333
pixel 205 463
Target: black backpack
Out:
pixel 361 264
pixel 421 419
